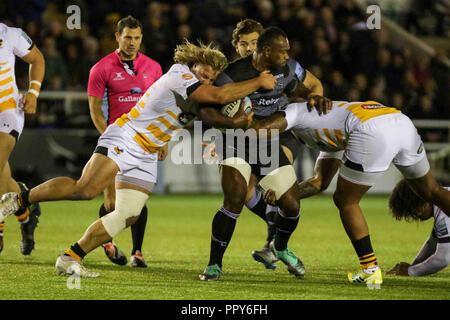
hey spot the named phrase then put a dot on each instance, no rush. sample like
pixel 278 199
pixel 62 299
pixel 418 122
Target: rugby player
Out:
pixel 244 39
pixel 14 42
pixel 271 53
pixel 435 252
pixel 116 83
pixel 128 149
pixel 361 139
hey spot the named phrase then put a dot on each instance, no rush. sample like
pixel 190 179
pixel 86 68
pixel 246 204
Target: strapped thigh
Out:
pixel 279 180
pixel 240 165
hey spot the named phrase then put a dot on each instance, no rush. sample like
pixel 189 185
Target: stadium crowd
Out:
pixel 328 38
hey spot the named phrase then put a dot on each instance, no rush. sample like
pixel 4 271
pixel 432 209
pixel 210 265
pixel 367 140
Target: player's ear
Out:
pixel 117 36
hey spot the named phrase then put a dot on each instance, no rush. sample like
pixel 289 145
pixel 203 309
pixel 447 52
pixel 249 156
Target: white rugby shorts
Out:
pixel 136 166
pixel 376 143
pixel 12 121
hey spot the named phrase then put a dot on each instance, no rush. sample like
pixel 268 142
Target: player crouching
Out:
pixel 435 252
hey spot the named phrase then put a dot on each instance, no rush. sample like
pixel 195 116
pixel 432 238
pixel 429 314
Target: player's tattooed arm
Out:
pixel 307 189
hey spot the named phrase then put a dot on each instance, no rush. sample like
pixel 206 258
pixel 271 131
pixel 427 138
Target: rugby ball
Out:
pixel 231 108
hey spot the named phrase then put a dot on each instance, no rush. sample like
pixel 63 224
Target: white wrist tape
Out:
pixel 36 82
pixel 35 92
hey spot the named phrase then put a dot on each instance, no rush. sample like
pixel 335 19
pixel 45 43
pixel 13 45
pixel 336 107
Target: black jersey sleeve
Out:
pixel 192 88
pixel 223 79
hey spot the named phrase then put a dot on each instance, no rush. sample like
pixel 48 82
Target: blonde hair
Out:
pixel 189 54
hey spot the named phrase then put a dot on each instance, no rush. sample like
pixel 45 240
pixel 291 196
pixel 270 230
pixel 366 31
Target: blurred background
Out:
pixel 404 64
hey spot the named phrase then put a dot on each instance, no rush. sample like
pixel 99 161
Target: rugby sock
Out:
pixel 257 205
pixel 222 229
pixel 22 199
pixel 76 252
pixel 285 226
pixel 271 227
pixel 138 230
pixel 102 211
pixel 22 215
pixel 367 259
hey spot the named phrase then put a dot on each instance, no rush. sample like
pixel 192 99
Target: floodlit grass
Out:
pixel 176 248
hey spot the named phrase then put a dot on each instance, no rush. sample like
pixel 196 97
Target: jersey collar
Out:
pixel 123 64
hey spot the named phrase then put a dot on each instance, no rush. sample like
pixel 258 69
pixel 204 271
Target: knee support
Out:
pixel 280 180
pixel 129 203
pixel 240 165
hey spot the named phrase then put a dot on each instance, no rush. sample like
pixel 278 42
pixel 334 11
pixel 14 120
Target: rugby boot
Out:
pixel 364 276
pixel 266 257
pixel 27 229
pixel 114 254
pixel 137 261
pixel 211 273
pixel 8 205
pixel 293 264
pixel 67 265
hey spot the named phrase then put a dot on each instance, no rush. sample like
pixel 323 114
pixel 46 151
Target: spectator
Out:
pixel 397 101
pixel 32 30
pixel 422 72
pixel 327 18
pixel 108 41
pixel 266 13
pixel 181 14
pixel 360 84
pixel 341 57
pixel 159 36
pixel 75 73
pixel 329 36
pixel 353 95
pixel 425 110
pixel 338 87
pixel 54 62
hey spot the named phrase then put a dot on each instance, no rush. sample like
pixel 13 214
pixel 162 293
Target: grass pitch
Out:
pixel 176 248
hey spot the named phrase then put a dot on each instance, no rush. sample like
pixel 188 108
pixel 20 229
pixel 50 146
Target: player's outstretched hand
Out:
pixel 400 269
pixel 267 80
pixel 322 104
pixel 270 198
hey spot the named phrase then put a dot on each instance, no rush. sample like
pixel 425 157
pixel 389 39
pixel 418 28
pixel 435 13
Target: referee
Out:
pixel 116 84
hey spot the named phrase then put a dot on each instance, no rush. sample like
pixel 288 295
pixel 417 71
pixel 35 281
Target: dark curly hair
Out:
pixel 405 203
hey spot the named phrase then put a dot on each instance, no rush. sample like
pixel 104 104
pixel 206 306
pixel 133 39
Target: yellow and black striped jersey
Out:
pixel 162 110
pixel 330 132
pixel 13 42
